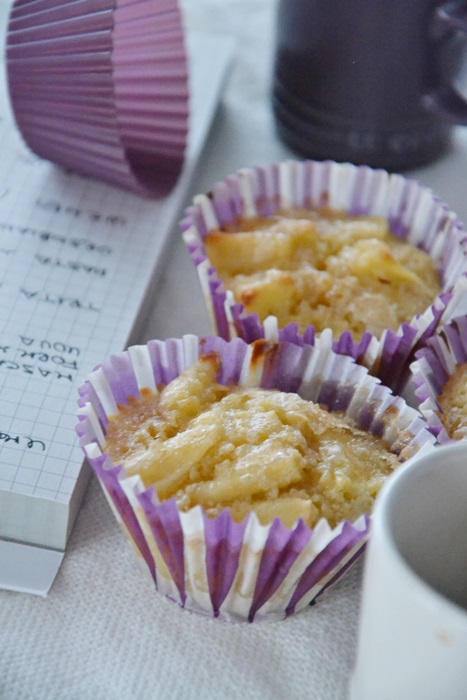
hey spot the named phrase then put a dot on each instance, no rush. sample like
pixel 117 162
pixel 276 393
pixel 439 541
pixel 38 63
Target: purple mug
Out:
pixel 369 81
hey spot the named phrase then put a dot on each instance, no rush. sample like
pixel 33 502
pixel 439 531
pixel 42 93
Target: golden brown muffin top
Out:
pixel 248 449
pixel 325 269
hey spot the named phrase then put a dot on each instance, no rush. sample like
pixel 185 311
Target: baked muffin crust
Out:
pixel 325 269
pixel 453 402
pixel 248 449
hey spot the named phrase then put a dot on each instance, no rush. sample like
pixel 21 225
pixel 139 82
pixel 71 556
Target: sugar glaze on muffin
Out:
pixel 324 268
pixel 248 449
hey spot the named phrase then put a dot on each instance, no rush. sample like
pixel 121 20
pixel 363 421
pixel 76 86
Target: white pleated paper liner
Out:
pixel 222 568
pixel 414 214
pixel 101 87
pixel 433 366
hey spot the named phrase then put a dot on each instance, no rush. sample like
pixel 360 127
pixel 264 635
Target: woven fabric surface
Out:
pixel 103 633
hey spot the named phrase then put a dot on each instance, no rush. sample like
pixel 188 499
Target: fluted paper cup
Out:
pixel 214 565
pixel 413 212
pixel 101 87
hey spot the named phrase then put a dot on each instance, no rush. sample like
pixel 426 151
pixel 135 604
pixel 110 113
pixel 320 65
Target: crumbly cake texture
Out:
pixel 453 403
pixel 248 449
pixel 324 269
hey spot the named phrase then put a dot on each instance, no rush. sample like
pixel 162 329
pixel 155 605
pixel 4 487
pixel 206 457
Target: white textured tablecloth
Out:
pixel 103 633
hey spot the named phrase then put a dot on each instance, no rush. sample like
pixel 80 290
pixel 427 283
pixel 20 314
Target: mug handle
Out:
pixel 446 102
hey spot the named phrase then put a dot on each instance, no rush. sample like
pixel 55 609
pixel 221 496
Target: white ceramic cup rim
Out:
pixel 382 525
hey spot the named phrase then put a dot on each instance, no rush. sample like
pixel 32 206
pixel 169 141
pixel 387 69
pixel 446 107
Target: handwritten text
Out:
pixel 22 441
pixel 46 236
pixel 59 208
pixel 58 300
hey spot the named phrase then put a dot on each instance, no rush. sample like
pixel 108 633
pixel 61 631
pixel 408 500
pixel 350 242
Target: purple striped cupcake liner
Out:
pixel 433 366
pixel 414 214
pixel 101 87
pixel 239 571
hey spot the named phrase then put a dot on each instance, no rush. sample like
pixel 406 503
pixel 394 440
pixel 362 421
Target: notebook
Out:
pixel 78 259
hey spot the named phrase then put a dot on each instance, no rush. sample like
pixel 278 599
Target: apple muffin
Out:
pixel 325 269
pixel 244 474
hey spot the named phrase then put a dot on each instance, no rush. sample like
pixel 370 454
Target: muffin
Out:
pixel 439 377
pixel 173 430
pixel 321 245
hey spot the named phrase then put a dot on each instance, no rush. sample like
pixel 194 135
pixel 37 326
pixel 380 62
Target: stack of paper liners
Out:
pixel 414 214
pixel 239 571
pixel 101 87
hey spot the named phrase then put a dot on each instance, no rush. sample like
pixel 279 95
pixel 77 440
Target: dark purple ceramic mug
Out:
pixel 369 81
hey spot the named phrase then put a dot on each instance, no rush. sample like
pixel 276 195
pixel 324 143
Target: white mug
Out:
pixel 413 620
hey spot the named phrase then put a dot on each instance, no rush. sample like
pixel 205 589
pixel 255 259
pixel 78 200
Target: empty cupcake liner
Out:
pixel 101 87
pixel 216 566
pixel 413 212
pixel 433 366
